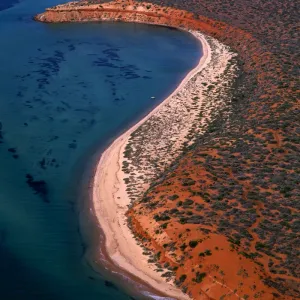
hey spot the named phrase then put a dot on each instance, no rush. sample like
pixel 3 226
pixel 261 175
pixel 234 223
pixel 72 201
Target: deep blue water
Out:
pixel 65 91
pixel 4 4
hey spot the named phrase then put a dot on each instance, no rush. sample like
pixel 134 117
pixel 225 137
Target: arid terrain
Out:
pixel 154 145
pixel 224 218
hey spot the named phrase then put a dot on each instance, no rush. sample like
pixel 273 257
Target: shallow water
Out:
pixel 65 91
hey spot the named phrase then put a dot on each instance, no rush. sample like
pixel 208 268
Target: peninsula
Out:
pixel 198 198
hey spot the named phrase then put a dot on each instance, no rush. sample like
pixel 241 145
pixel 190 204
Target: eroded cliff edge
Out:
pixel 228 206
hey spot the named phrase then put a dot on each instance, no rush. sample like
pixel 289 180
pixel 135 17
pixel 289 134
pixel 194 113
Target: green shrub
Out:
pixel 193 244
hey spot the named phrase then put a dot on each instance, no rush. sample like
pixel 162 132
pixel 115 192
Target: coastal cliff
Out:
pixel 223 217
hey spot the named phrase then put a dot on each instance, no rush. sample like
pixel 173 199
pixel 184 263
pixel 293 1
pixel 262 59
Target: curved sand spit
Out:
pixel 111 200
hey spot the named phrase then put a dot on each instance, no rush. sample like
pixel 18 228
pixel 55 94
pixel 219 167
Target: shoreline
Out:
pixel 120 244
pixel 254 86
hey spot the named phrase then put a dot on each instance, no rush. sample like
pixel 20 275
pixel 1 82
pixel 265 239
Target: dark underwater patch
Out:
pixel 42 164
pixel 111 54
pixel 71 47
pixel 48 67
pixel 66 104
pixel 1 134
pixel 20 94
pixel 14 152
pixel 73 145
pixel 110 285
pixel 54 138
pixel 103 62
pixel 39 187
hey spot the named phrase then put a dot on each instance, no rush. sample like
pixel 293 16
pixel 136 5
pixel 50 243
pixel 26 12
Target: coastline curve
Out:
pixel 261 104
pixel 119 241
pixel 110 191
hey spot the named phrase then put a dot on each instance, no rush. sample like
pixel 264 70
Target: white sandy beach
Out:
pixel 111 202
pixel 162 133
pixel 166 127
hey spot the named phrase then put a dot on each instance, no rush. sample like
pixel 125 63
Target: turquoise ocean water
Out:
pixel 66 90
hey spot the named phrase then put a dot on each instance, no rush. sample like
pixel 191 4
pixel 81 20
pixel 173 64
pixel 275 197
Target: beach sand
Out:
pixel 111 200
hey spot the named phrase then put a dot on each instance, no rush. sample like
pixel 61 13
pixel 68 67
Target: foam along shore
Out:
pixel 111 196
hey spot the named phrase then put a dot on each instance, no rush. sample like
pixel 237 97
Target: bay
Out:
pixel 67 90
